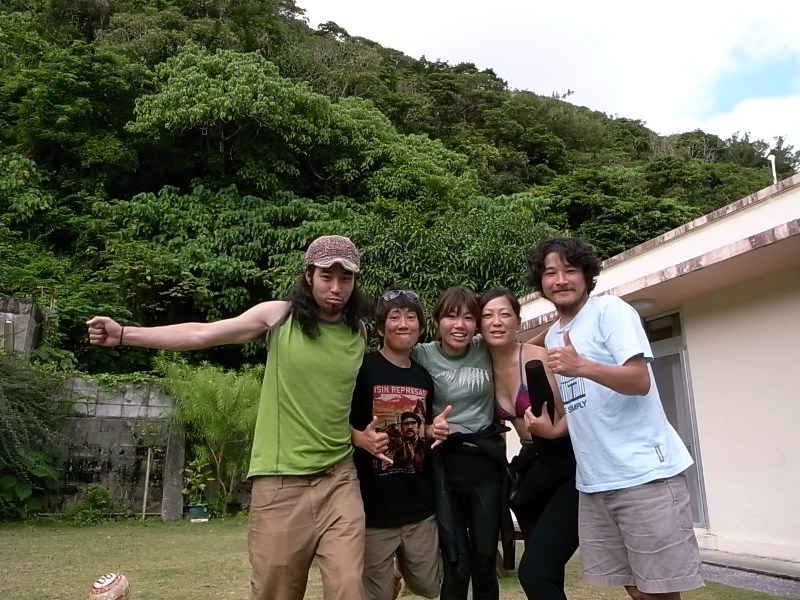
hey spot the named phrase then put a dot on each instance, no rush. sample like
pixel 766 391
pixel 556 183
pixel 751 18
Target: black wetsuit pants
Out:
pixel 549 524
pixel 474 483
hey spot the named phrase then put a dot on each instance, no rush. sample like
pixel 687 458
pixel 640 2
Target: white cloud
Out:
pixel 657 62
pixel 764 118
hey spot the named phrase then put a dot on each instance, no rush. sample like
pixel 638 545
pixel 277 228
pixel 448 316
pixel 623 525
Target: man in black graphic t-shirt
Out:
pixel 394 395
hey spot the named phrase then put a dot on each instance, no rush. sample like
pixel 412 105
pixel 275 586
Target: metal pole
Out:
pixel 771 159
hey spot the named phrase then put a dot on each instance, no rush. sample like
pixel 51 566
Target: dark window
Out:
pixel 663 328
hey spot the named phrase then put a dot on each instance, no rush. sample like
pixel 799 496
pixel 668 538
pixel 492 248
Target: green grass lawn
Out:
pixel 185 561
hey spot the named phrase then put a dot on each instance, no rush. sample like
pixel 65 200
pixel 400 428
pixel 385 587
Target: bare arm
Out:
pixel 631 378
pixel 248 326
pixel 538 339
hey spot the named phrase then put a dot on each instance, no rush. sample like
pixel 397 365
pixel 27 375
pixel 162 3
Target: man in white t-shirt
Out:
pixel 635 518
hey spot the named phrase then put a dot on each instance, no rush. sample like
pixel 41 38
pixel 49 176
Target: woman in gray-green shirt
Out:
pixel 469 467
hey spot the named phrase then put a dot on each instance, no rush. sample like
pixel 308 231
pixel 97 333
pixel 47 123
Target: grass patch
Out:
pixel 185 561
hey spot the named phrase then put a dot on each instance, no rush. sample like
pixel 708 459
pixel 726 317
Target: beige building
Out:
pixel 720 300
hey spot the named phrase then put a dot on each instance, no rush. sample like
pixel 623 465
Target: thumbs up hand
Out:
pixel 373 441
pixel 565 360
pixel 441 429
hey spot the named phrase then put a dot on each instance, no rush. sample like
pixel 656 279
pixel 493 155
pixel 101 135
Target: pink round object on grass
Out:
pixel 111 586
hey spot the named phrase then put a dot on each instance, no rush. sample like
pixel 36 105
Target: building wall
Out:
pixel 742 343
pixel 106 438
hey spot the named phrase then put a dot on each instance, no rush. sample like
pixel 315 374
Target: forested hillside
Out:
pixel 169 160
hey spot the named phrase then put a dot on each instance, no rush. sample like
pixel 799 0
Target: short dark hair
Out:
pixel 454 298
pixel 575 251
pixel 506 293
pixel 384 307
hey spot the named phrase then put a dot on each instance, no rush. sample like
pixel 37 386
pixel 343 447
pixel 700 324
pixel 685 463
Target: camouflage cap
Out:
pixel 328 250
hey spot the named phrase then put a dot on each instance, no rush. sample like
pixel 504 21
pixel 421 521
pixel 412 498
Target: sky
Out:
pixel 723 66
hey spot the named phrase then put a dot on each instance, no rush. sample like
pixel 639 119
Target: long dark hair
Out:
pixel 304 307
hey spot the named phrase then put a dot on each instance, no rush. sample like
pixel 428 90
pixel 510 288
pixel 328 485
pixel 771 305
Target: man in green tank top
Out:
pixel 306 500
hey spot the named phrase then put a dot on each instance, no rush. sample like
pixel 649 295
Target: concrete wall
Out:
pixel 109 433
pixel 742 346
pixel 25 318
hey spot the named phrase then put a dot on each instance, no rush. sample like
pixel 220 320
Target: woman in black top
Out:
pixel 544 500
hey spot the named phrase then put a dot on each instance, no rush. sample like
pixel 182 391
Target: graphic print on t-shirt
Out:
pixel 400 410
pixel 573 393
pixel 471 378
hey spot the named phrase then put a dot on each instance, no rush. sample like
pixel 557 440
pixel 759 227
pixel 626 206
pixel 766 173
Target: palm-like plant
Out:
pixel 217 409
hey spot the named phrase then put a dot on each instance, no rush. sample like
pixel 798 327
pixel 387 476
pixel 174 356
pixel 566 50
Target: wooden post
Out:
pixel 146 481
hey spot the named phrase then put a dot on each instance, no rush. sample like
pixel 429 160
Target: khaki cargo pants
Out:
pixel 294 519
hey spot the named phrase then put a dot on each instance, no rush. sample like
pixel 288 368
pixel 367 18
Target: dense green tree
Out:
pixel 67 113
pixel 236 114
pixel 481 244
pixel 787 159
pixel 165 160
pixel 265 132
pixel 610 207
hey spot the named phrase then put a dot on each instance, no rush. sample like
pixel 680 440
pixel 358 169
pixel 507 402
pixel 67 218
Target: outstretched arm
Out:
pixel 248 326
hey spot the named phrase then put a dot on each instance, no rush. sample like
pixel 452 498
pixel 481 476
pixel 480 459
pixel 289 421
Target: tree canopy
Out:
pixel 170 160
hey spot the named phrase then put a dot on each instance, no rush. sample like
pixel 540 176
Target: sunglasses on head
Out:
pixel 392 294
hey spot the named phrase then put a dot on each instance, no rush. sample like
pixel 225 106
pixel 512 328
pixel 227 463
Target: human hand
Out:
pixel 441 429
pixel 104 331
pixel 374 442
pixel 540 426
pixel 565 360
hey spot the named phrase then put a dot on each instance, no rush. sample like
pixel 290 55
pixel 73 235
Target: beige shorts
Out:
pixel 416 547
pixel 641 536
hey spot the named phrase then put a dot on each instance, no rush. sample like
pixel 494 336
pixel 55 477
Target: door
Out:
pixel 672 378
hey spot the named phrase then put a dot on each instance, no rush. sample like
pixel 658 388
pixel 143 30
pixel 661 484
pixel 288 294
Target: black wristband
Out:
pixel 121 333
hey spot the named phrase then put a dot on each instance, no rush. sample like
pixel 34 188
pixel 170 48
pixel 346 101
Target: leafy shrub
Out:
pixel 195 479
pixel 27 424
pixel 217 409
pixel 21 494
pixel 97 506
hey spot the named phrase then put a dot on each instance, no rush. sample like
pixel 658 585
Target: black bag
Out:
pixel 519 493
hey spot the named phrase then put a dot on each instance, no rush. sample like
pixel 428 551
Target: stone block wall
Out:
pixel 106 440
